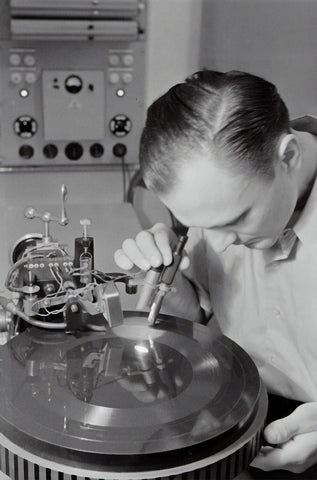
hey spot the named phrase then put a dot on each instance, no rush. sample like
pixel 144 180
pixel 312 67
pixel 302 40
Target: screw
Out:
pixel 74 307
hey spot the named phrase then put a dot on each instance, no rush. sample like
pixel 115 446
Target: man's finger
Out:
pixel 150 250
pixel 302 420
pixel 122 260
pixel 295 456
pixel 164 237
pixel 133 253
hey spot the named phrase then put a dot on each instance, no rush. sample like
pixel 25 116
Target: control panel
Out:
pixel 72 79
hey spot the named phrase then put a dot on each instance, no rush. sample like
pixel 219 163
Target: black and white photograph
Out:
pixel 158 240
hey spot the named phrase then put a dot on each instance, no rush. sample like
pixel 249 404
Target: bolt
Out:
pixel 74 307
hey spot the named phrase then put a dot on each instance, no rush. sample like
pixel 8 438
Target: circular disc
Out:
pixel 132 390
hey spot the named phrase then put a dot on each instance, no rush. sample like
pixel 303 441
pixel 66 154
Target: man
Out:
pixel 220 152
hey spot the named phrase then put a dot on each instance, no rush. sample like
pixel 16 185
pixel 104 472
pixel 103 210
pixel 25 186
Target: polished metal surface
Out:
pixel 131 390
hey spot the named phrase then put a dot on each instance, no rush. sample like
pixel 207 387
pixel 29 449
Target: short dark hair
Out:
pixel 236 113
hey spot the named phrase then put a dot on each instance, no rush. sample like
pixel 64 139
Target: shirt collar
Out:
pixel 282 249
pixel 304 229
pixel 306 225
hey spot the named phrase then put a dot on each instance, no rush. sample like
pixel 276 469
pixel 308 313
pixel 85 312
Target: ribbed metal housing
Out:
pixel 19 468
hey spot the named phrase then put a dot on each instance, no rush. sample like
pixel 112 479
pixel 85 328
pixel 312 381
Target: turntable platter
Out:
pixel 134 399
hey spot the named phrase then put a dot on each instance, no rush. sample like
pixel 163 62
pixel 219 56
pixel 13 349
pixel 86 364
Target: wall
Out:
pixel 173 43
pixel 172 54
pixel 276 39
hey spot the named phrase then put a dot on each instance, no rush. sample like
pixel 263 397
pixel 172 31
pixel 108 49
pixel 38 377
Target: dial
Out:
pixel 119 150
pixel 50 150
pixel 96 150
pixel 73 84
pixel 25 126
pixel 74 151
pixel 26 152
pixel 120 125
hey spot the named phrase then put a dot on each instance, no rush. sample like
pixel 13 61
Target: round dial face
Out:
pixel 73 84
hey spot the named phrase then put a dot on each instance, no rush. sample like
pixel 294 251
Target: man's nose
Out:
pixel 221 240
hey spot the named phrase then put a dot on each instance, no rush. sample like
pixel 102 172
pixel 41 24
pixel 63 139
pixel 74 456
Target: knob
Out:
pixel 119 150
pixel 120 125
pixel 30 212
pixel 25 126
pixel 74 151
pixel 96 150
pixel 26 151
pixel 50 151
pixel 85 223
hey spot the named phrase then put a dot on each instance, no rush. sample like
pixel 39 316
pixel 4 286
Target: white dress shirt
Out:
pixel 266 300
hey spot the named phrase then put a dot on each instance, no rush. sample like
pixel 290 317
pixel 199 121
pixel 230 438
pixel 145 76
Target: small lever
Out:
pixel 64 219
pixel 47 217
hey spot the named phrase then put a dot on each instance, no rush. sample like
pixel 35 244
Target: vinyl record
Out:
pixel 135 396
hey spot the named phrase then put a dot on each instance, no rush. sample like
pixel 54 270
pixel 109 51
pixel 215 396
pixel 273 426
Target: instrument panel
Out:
pixel 72 79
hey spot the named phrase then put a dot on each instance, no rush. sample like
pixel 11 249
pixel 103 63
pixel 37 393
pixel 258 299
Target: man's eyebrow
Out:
pixel 234 220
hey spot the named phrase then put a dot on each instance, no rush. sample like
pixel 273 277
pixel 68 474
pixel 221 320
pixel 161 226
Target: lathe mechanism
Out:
pixel 51 289
pixel 91 392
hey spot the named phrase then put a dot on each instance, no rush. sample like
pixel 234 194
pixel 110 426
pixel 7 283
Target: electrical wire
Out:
pixel 12 271
pixel 99 277
pixel 124 178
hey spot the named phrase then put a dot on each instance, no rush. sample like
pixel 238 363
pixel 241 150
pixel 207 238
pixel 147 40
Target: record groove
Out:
pixel 133 400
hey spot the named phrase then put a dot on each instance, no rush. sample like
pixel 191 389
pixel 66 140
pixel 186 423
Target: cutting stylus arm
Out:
pixel 167 277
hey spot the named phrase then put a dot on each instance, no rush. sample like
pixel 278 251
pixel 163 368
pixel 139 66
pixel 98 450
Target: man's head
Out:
pixel 212 147
pixel 236 114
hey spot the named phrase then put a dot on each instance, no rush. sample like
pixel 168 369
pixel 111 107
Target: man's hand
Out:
pixel 295 438
pixel 151 248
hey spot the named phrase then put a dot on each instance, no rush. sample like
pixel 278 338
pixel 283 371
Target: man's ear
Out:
pixel 289 152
